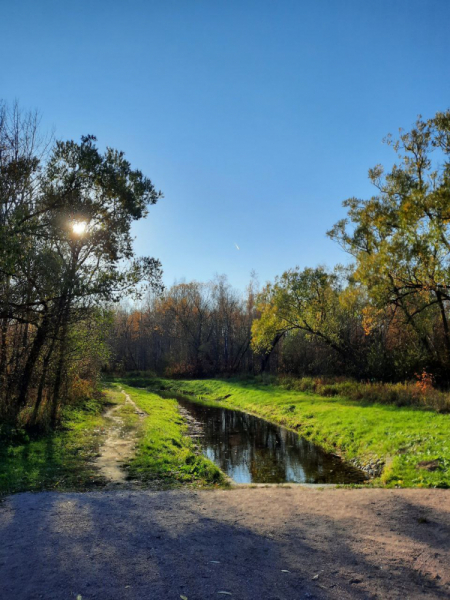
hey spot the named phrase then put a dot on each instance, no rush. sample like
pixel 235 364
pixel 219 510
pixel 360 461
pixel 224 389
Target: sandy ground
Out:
pixel 247 544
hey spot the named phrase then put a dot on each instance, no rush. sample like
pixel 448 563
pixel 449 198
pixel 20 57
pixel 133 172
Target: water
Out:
pixel 251 450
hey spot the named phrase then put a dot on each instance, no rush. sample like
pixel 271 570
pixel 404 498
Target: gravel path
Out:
pixel 255 544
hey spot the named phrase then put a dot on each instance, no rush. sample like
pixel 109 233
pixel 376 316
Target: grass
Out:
pixel 164 453
pixel 63 460
pixel 400 436
pixel 56 461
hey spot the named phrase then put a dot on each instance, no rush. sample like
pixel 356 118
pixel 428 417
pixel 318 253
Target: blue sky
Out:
pixel 255 118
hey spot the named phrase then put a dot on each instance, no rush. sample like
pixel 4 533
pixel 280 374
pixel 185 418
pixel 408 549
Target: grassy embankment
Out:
pixel 164 453
pixel 61 460
pixel 64 460
pixel 401 436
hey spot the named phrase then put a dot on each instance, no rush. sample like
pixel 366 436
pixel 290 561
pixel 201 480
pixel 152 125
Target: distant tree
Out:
pixel 313 301
pixel 190 329
pixel 189 306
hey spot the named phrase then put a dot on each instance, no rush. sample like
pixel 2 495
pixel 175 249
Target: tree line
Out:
pixel 66 254
pixel 189 329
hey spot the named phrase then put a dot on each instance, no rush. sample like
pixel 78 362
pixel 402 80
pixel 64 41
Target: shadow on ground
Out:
pixel 267 544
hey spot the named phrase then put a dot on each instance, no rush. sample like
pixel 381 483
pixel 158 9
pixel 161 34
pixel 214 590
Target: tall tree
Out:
pixel 312 301
pixel 401 236
pixel 66 249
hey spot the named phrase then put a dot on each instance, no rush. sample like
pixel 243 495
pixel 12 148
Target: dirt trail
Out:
pixel 119 445
pixel 245 544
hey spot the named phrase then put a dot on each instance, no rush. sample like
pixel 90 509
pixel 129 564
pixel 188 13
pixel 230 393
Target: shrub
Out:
pixel 180 371
pixel 80 390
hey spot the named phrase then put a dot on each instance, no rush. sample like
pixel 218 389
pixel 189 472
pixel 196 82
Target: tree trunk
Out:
pixel 445 326
pixel 266 357
pixel 38 343
pixel 42 382
pixel 59 372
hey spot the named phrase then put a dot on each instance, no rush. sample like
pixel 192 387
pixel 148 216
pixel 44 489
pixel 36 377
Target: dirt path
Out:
pixel 119 445
pixel 246 544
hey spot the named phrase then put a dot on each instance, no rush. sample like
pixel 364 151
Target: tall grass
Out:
pixel 419 394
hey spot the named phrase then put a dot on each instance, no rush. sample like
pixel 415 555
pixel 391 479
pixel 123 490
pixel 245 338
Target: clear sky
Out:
pixel 255 118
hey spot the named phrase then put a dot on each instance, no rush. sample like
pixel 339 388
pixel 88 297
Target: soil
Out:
pixel 273 543
pixel 118 447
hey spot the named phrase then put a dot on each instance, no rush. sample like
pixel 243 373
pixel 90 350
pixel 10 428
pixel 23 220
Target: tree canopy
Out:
pixel 398 288
pixel 400 237
pixel 66 249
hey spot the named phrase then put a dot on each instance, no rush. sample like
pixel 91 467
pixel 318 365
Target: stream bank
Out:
pixel 251 450
pixel 397 446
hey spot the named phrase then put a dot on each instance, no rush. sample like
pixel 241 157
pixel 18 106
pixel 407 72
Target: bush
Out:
pixel 180 371
pixel 79 390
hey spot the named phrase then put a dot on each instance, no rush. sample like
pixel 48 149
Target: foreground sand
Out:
pixel 255 544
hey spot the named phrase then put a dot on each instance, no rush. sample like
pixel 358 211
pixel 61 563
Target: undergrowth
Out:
pixel 419 394
pixel 60 460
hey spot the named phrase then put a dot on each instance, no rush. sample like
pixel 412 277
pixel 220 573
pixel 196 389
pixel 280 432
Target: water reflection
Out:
pixel 251 450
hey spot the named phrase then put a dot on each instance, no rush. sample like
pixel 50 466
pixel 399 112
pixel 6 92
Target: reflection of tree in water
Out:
pixel 250 449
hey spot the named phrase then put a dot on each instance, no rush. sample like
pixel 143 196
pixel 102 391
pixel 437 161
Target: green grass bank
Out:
pixel 65 459
pixel 165 455
pixel 402 437
pixel 62 460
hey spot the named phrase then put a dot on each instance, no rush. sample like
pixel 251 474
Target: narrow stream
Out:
pixel 251 450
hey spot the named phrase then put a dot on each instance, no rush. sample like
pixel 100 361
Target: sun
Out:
pixel 79 227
